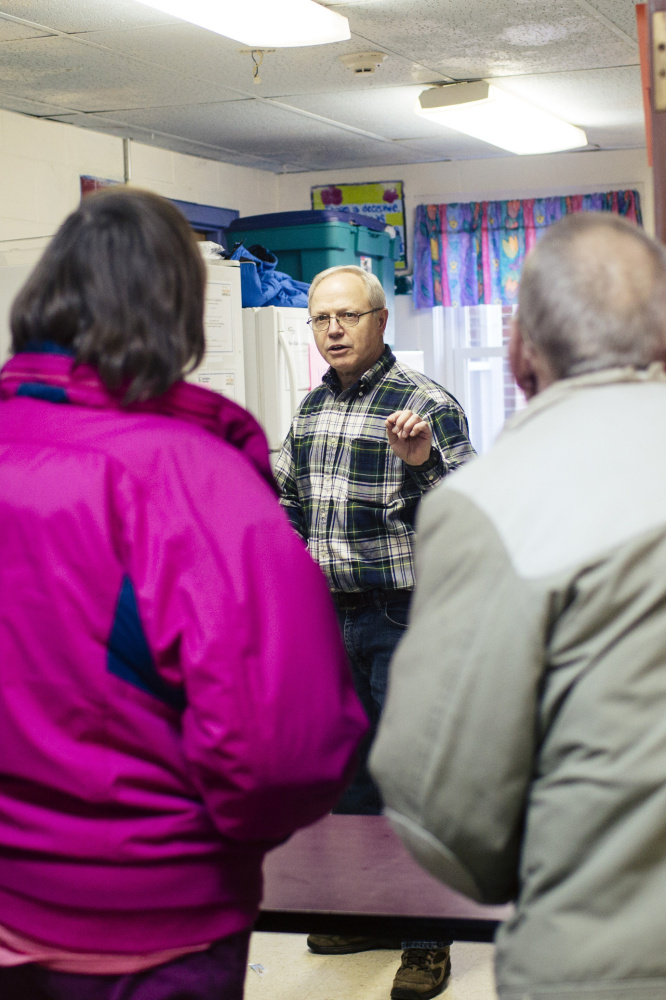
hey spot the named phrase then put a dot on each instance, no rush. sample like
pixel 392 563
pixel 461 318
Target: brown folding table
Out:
pixel 352 875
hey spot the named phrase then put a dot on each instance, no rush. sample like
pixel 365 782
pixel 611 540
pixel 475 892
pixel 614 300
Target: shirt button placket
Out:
pixel 328 478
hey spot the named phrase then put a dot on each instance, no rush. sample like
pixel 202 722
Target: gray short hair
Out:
pixel 593 295
pixel 373 286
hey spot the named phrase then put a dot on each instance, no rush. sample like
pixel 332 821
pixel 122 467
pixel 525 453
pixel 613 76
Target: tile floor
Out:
pixel 290 972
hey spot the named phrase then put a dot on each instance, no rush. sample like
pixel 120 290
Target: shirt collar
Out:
pixel 566 386
pixel 367 380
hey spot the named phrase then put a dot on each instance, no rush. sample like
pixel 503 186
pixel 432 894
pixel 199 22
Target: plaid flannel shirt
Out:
pixel 345 491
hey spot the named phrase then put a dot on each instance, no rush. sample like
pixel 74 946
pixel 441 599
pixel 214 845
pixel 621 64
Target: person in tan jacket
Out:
pixel 522 750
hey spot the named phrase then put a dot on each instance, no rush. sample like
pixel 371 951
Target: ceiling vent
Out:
pixel 362 63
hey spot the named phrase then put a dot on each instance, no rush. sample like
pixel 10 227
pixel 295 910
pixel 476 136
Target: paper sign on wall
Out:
pixel 382 200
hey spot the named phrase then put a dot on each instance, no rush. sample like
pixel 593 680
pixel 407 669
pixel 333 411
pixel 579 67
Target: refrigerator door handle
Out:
pixel 284 347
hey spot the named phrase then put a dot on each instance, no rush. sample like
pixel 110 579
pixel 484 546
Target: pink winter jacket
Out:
pixel 174 696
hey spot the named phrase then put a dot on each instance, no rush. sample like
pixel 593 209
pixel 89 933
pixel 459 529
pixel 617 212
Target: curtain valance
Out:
pixel 471 253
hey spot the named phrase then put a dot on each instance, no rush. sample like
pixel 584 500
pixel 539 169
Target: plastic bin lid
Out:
pixel 276 220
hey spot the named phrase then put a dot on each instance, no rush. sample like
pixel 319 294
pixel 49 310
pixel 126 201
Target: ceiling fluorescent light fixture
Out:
pixel 481 110
pixel 261 23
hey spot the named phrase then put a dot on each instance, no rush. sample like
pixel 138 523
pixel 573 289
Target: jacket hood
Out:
pixel 57 377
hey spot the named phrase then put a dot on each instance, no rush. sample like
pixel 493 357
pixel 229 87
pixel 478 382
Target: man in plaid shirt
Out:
pixel 363 448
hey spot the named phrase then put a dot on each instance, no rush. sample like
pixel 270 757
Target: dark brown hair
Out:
pixel 122 285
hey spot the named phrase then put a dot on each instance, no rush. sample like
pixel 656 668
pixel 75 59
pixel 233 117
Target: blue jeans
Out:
pixel 371 636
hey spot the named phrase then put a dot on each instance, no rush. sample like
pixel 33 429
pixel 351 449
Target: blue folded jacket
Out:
pixel 262 285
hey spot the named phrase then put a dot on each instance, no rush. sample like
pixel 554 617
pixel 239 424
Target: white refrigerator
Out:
pixel 282 364
pixel 223 365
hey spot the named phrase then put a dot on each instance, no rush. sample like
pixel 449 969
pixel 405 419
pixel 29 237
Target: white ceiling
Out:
pixel 117 66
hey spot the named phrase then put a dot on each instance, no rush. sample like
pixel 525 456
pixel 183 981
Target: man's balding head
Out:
pixel 592 296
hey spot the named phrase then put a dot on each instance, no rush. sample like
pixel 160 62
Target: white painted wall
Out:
pixel 498 178
pixel 41 162
pixel 206 182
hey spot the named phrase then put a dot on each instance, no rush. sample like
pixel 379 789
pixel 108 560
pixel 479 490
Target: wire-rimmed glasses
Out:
pixel 346 319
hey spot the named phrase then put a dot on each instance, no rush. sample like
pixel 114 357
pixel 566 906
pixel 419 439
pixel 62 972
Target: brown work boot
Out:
pixel 345 944
pixel 423 974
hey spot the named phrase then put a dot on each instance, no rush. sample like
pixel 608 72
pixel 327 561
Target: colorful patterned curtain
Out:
pixel 471 253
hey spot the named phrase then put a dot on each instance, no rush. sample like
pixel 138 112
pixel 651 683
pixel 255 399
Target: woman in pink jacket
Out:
pixel 174 699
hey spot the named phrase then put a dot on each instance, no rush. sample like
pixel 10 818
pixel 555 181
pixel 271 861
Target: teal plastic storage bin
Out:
pixel 306 243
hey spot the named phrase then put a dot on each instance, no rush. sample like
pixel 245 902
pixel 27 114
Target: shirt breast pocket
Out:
pixel 375 474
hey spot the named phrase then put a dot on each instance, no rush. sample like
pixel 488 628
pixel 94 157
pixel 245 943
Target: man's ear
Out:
pixel 383 319
pixel 522 361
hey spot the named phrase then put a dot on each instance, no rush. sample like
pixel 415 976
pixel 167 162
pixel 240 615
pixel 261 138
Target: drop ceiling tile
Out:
pixel 452 145
pixel 260 128
pixel 389 112
pixel 24 106
pixel 162 140
pixel 608 98
pixel 80 77
pixel 621 12
pixel 624 137
pixel 254 128
pixel 221 61
pixel 11 30
pixel 85 15
pixel 492 37
pixel 249 126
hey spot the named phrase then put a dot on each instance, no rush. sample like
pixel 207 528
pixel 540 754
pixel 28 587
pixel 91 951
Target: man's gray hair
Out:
pixel 593 295
pixel 373 286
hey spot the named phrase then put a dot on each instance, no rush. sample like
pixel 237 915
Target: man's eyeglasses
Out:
pixel 320 324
